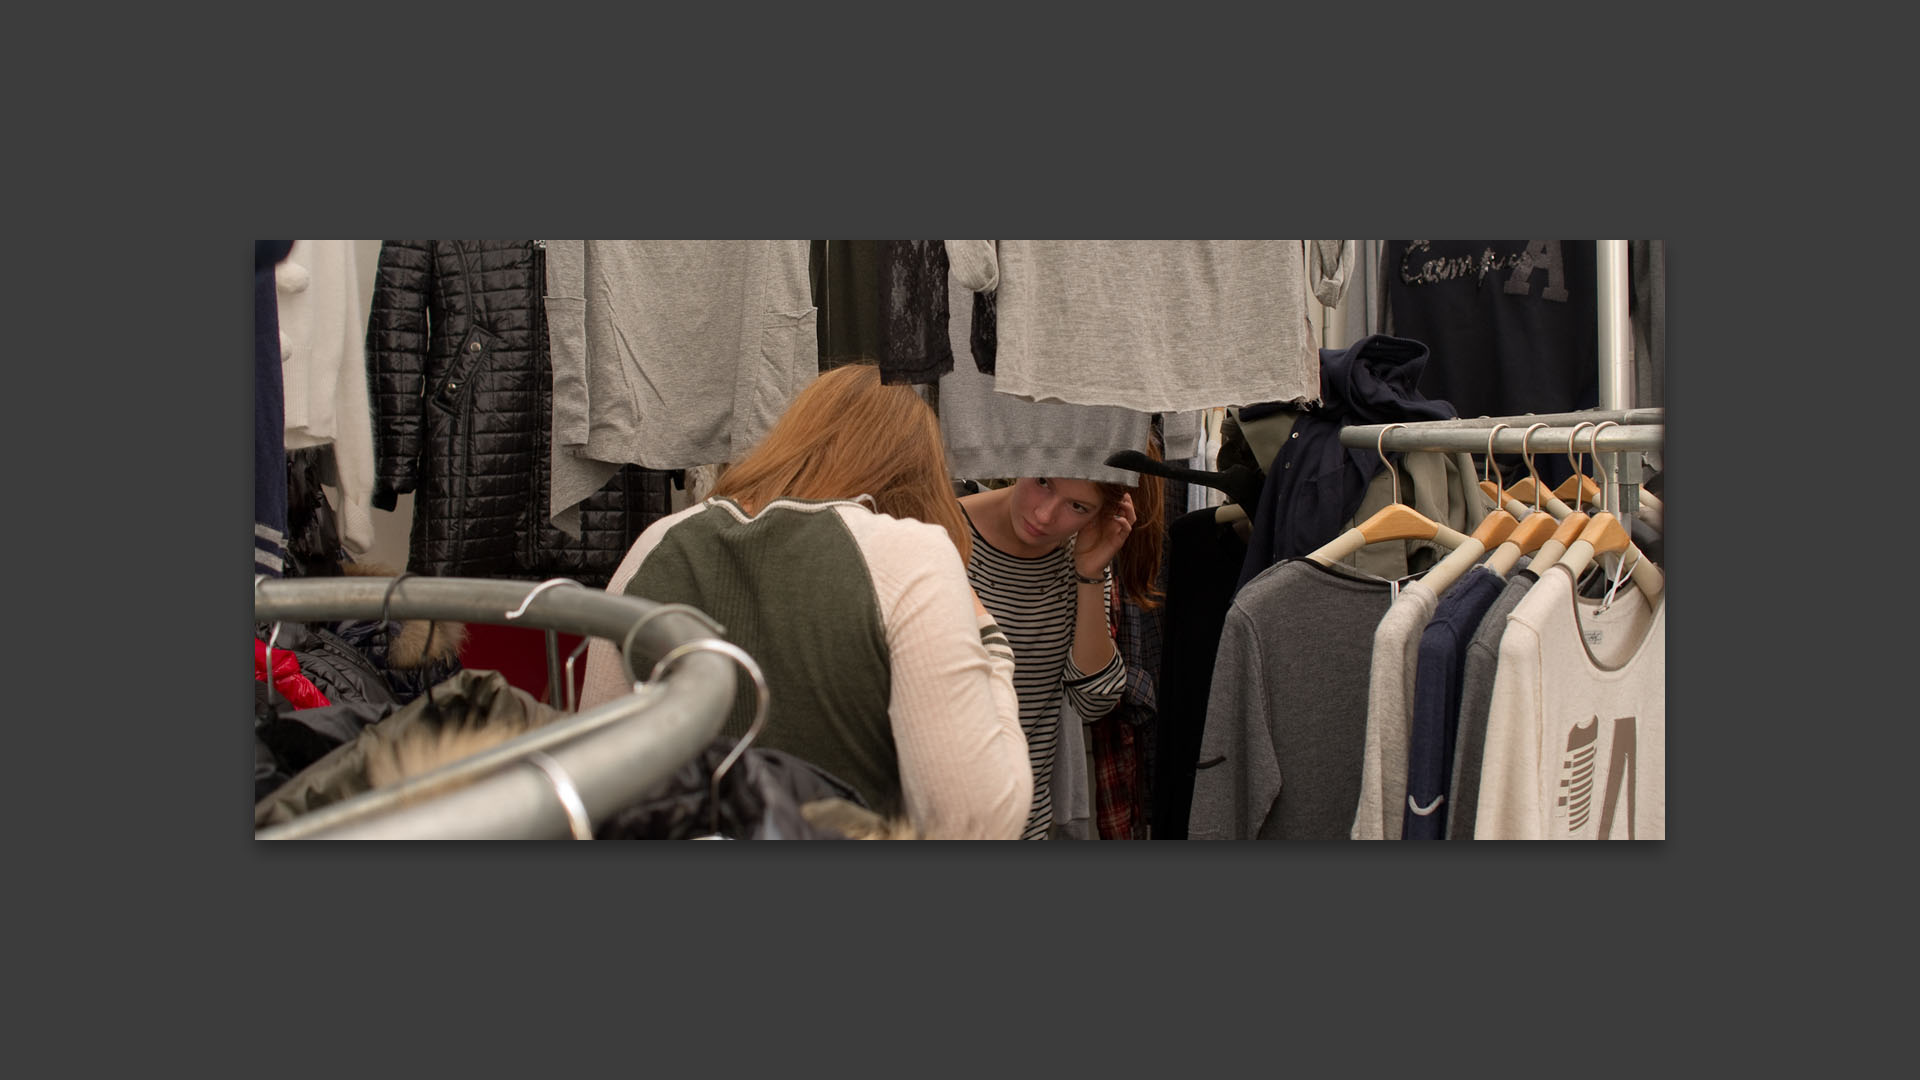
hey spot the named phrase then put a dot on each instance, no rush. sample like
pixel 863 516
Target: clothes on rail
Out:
pixel 671 353
pixel 844 283
pixel 1314 484
pixel 1576 726
pixel 1476 697
pixel 991 435
pixel 1513 324
pixel 1439 670
pixel 324 362
pixel 1390 690
pixel 269 415
pixel 1203 566
pixel 1153 325
pixel 915 343
pixel 764 795
pixel 381 753
pixel 1286 722
pixel 465 396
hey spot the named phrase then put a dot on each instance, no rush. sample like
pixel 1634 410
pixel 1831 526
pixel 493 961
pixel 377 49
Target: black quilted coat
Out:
pixel 461 391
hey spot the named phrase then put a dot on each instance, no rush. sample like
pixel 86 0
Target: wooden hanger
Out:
pixel 1492 531
pixel 1565 532
pixel 1528 536
pixel 1577 489
pixel 1604 533
pixel 1395 521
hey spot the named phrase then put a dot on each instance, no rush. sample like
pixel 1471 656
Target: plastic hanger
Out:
pixel 1241 483
pixel 1395 521
pixel 1492 531
pixel 1605 534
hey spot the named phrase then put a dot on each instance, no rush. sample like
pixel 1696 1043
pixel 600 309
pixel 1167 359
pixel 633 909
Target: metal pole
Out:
pixel 1616 367
pixel 612 753
pixel 1418 437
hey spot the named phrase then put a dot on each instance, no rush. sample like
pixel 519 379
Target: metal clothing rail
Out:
pixel 1621 446
pixel 563 777
pixel 1639 429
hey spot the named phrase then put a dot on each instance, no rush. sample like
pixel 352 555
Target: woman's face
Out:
pixel 1048 510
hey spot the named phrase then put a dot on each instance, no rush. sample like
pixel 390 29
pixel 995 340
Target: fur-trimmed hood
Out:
pixel 446 637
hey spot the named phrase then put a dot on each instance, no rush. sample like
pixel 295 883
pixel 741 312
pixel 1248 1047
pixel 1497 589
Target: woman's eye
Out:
pixel 1080 509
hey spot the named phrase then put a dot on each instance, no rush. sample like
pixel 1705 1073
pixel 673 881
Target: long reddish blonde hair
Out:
pixel 1136 569
pixel 849 434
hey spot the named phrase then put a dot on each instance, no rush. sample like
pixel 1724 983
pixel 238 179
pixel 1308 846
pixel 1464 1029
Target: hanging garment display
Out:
pixel 1576 726
pixel 671 353
pixel 1286 724
pixel 269 415
pixel 323 349
pixel 1513 324
pixel 1313 483
pixel 1153 325
pixel 463 403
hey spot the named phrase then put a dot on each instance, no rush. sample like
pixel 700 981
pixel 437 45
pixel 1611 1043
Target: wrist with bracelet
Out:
pixel 1097 579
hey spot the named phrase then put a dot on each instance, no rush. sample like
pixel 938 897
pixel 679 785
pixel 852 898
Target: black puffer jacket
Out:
pixel 463 417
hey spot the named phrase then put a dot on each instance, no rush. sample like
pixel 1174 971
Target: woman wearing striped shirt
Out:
pixel 1047 551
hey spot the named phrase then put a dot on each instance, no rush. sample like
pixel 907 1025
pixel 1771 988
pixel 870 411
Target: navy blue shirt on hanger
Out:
pixel 1436 699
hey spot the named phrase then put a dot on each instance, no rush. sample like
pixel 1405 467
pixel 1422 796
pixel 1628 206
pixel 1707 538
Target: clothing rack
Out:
pixel 1638 430
pixel 563 777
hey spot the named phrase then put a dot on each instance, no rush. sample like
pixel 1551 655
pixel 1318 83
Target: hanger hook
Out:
pixel 1380 447
pixel 1593 447
pixel 626 644
pixel 1527 454
pixel 740 657
pixel 537 590
pixel 578 821
pixel 1486 472
pixel 1574 457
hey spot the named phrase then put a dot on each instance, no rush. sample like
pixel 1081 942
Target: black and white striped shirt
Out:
pixel 1034 603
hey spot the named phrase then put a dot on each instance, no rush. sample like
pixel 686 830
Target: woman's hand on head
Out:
pixel 1099 540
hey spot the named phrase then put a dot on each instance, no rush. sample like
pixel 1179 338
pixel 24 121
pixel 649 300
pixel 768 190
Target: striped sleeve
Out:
pixel 1094 696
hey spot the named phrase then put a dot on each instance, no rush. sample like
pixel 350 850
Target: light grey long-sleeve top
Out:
pixel 670 354
pixel 1155 325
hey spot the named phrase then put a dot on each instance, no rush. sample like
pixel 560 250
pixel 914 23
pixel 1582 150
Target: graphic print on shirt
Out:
pixel 1575 805
pixel 1538 255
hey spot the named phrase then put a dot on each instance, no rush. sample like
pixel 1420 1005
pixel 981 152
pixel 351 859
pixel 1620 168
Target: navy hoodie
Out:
pixel 1314 484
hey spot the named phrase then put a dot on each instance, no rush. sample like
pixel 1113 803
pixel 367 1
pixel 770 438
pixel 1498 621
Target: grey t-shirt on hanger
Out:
pixel 1286 721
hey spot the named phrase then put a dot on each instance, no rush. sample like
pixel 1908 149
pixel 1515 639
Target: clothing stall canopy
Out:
pixel 560 779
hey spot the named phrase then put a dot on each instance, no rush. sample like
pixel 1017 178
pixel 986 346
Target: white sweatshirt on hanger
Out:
pixel 323 355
